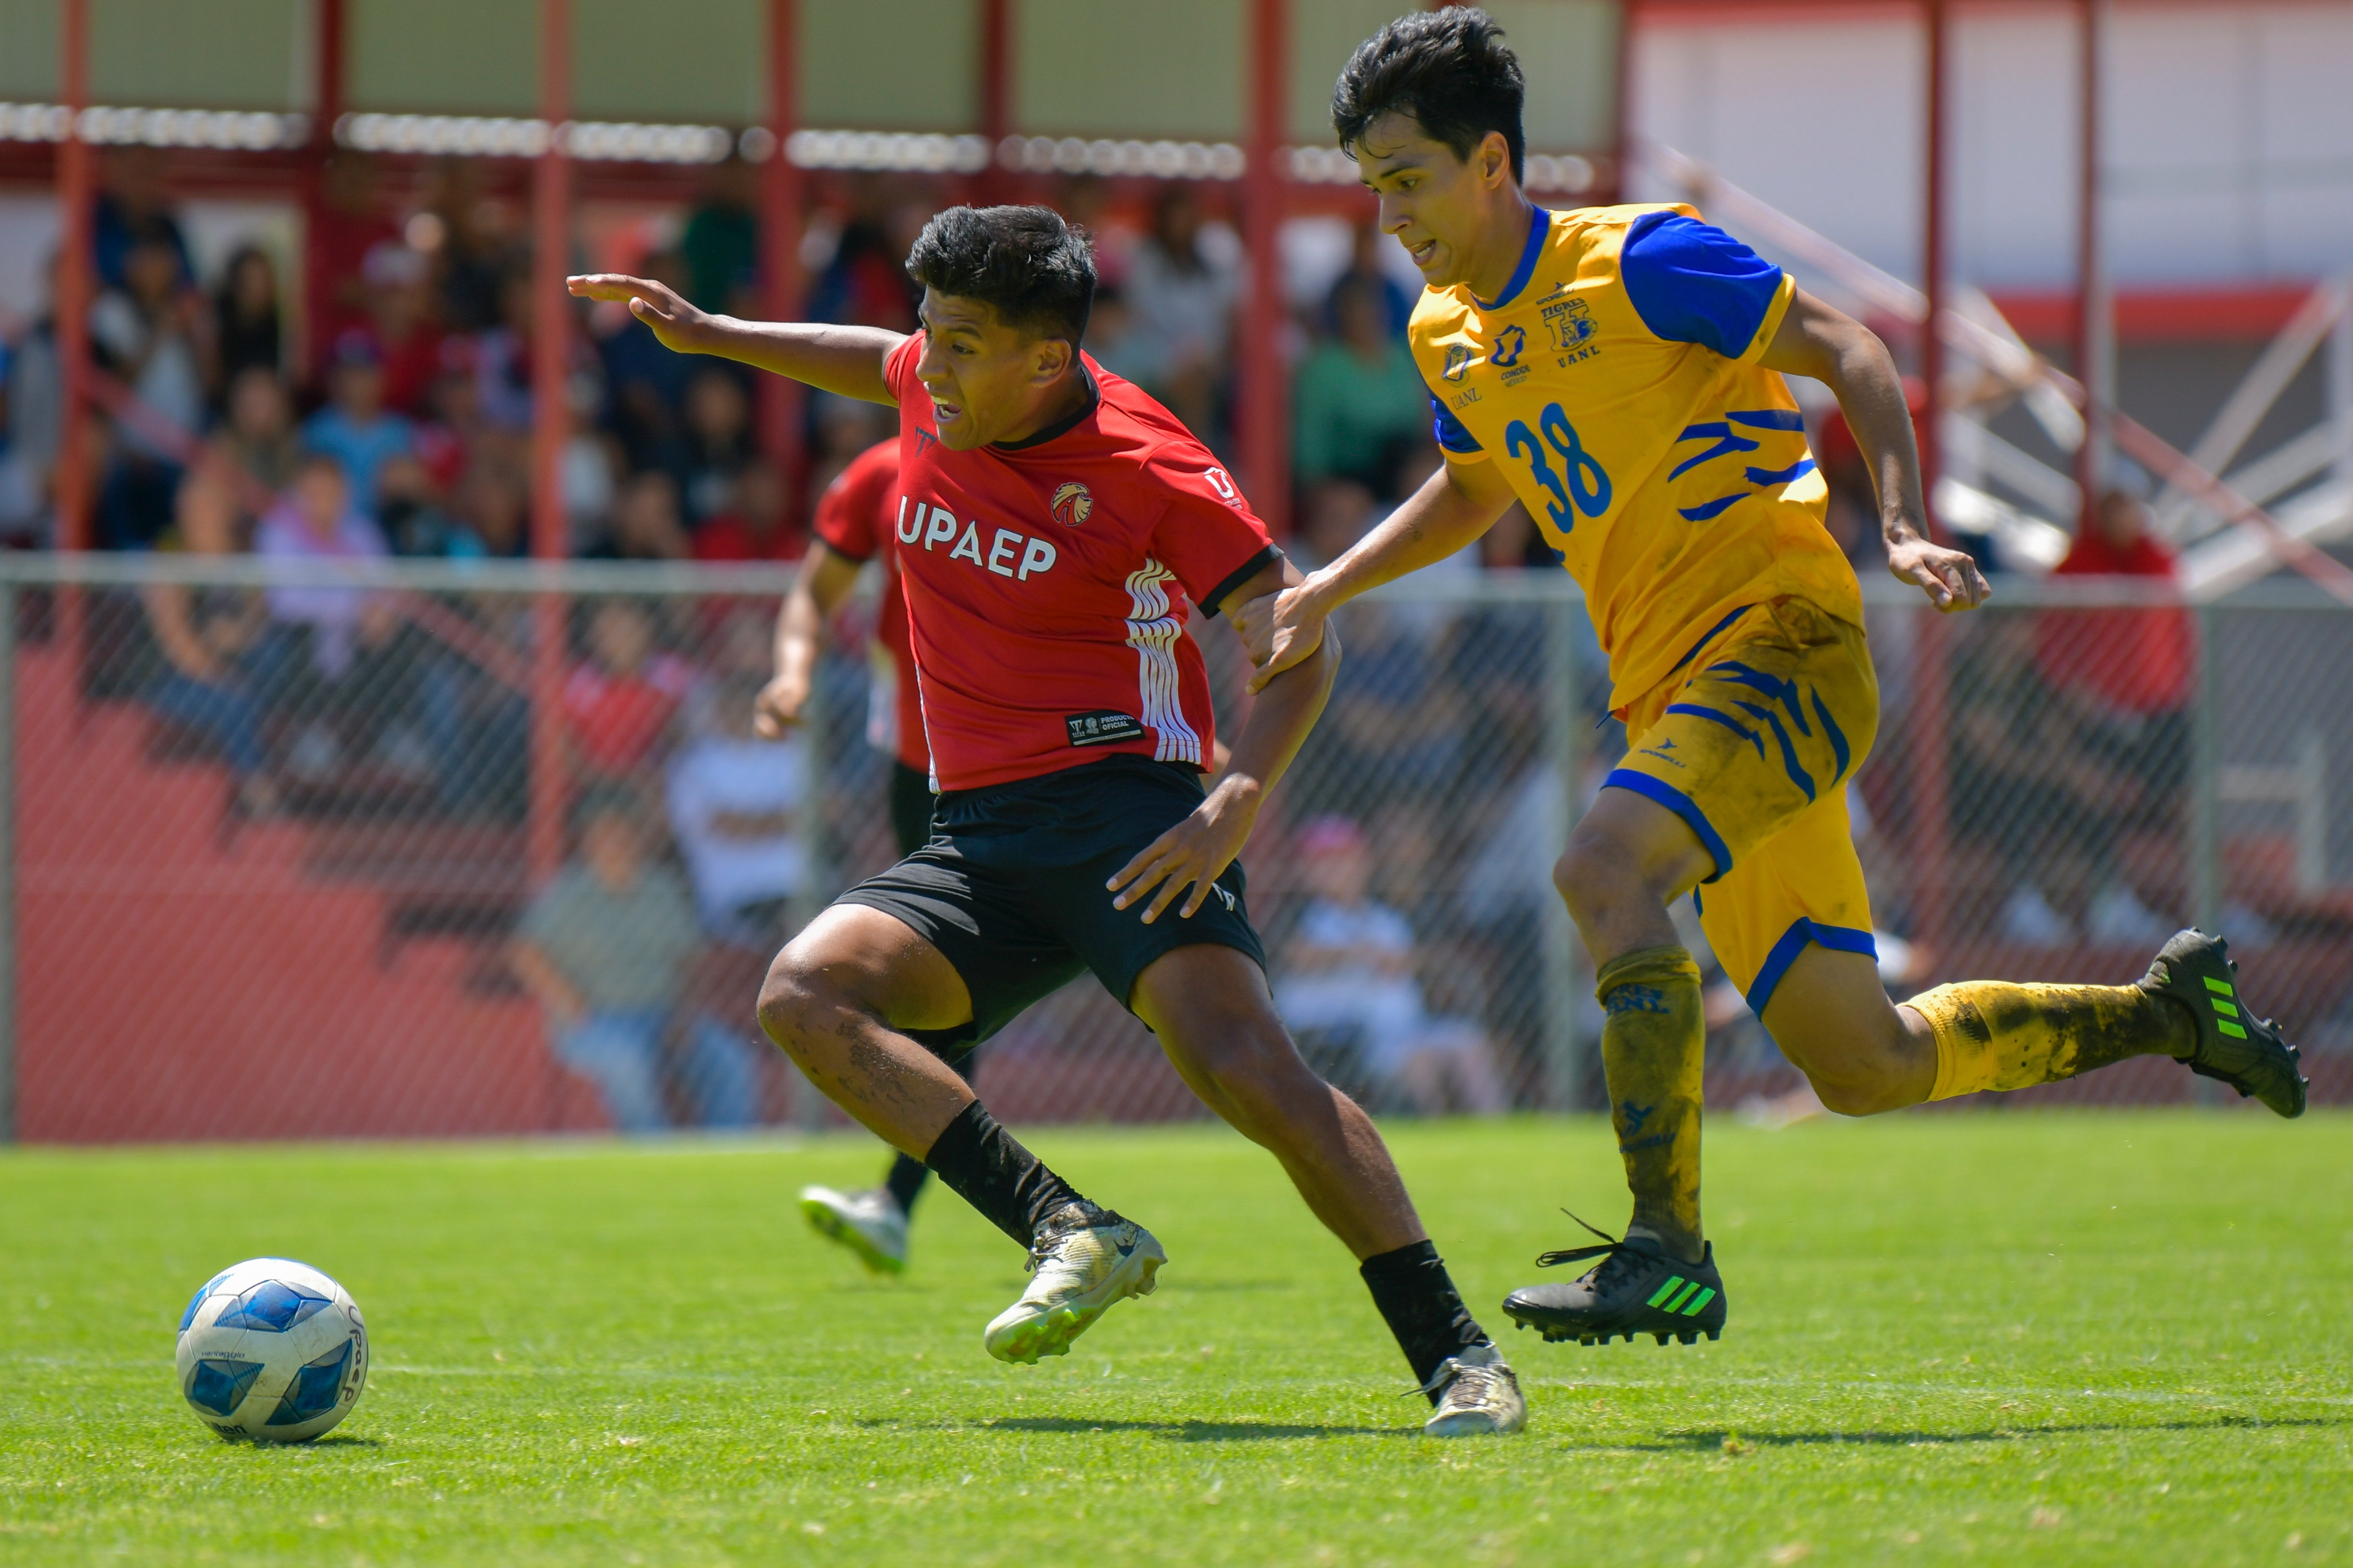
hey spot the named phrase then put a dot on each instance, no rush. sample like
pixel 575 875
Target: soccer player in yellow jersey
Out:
pixel 1619 370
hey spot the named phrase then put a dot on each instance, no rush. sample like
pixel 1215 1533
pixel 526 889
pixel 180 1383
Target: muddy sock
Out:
pixel 1999 1035
pixel 1652 1045
pixel 987 1167
pixel 906 1179
pixel 1421 1307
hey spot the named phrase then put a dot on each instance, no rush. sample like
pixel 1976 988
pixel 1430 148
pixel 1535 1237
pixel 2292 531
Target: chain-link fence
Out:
pixel 437 850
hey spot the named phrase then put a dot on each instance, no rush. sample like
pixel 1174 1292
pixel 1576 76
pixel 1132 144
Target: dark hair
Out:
pixel 1035 270
pixel 1449 71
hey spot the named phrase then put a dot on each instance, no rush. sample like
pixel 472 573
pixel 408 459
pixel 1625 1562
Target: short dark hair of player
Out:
pixel 1037 272
pixel 1449 71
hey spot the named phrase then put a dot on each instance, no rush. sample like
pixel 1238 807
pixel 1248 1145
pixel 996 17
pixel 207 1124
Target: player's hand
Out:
pixel 676 324
pixel 1279 630
pixel 779 706
pixel 1949 577
pixel 1193 854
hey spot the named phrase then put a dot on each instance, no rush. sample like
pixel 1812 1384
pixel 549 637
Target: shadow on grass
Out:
pixel 1715 1441
pixel 1171 1431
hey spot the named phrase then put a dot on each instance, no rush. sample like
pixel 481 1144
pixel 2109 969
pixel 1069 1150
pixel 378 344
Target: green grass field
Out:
pixel 2111 1338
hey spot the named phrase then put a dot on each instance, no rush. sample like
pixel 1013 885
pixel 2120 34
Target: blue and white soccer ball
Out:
pixel 272 1350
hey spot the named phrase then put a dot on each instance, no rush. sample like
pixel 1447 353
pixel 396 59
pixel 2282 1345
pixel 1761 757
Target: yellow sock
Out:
pixel 1652 1049
pixel 2000 1034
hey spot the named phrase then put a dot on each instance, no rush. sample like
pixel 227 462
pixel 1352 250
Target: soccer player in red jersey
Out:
pixel 852 527
pixel 1054 527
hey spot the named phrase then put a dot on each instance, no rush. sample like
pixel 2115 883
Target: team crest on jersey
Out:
pixel 1572 324
pixel 1073 504
pixel 1458 360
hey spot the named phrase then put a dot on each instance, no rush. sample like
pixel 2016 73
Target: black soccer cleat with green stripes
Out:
pixel 1636 1289
pixel 2233 1044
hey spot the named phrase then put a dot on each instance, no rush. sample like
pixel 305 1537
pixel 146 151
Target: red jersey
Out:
pixel 1048 584
pixel 853 518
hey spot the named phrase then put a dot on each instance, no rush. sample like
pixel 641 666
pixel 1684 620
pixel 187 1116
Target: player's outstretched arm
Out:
pixel 1455 506
pixel 1196 852
pixel 1846 356
pixel 824 580
pixel 844 360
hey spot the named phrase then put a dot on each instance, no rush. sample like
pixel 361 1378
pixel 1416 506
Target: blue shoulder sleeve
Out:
pixel 1692 283
pixel 1448 428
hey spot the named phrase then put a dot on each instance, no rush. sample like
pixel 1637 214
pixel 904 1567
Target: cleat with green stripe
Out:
pixel 1635 1289
pixel 2233 1044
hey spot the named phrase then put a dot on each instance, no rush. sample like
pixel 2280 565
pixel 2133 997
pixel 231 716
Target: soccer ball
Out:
pixel 272 1350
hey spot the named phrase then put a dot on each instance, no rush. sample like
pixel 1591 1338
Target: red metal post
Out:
pixel 1931 847
pixel 551 343
pixel 996 91
pixel 77 192
pixel 328 63
pixel 1264 415
pixel 780 244
pixel 2092 304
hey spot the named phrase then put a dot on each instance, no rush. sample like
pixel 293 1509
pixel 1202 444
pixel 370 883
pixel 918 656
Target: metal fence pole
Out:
pixel 2205 807
pixel 8 592
pixel 1564 1064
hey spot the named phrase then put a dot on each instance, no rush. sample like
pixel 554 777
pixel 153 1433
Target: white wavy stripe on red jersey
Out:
pixel 1152 632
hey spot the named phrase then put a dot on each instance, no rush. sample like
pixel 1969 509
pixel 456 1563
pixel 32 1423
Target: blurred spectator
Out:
pixel 246 331
pixel 1350 968
pixel 603 948
pixel 1366 271
pixel 35 423
pixel 142 333
pixel 502 359
pixel 2132 669
pixel 493 512
pixel 646 524
pixel 1116 343
pixel 450 442
pixel 721 240
pixel 1183 302
pixel 408 511
pixel 587 470
pixel 470 258
pixel 647 381
pixel 1360 401
pixel 618 705
pixel 866 284
pixel 401 323
pixel 718 441
pixel 734 805
pixel 751 528
pixel 208 637
pixel 355 428
pixel 255 437
pixel 317 522
pixel 348 223
pixel 130 210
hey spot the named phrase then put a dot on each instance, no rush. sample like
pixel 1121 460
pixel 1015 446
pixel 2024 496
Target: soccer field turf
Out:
pixel 2097 1338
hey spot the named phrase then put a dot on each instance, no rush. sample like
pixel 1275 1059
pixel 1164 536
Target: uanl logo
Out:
pixel 1458 360
pixel 1073 504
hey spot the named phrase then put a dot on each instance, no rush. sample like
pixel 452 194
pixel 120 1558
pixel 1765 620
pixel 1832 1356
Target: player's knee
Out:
pixel 1253 1071
pixel 1595 875
pixel 794 1001
pixel 1851 1081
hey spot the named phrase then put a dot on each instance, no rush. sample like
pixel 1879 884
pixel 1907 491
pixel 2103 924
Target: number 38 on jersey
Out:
pixel 1573 479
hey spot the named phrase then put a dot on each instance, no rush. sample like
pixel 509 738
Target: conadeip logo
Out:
pixel 1509 342
pixel 1072 503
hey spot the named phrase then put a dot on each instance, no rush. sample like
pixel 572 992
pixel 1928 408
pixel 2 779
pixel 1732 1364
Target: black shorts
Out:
pixel 911 806
pixel 1011 886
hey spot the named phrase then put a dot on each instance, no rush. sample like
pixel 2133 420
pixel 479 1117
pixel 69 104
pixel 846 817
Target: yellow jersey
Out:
pixel 1616 380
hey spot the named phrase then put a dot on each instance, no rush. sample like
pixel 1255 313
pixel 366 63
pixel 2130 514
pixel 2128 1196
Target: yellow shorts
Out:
pixel 1751 742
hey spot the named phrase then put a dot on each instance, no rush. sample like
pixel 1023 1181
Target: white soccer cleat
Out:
pixel 1480 1396
pixel 1079 1270
pixel 871 1224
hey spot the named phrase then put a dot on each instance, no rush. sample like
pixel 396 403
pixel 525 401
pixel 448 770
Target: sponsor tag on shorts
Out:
pixel 1104 729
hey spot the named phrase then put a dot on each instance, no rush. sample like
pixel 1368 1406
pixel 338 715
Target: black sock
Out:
pixel 988 1168
pixel 906 1179
pixel 1419 1301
